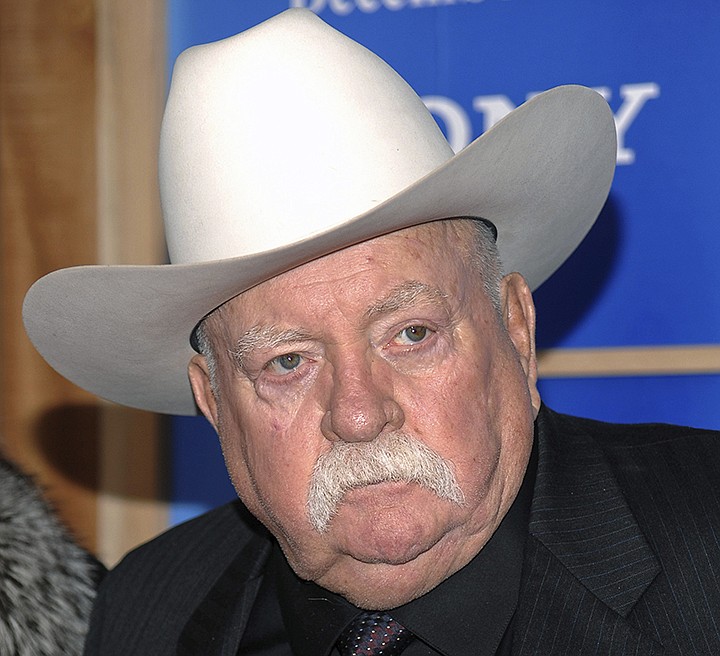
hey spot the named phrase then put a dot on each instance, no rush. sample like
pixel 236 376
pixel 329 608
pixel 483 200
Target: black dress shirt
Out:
pixel 468 614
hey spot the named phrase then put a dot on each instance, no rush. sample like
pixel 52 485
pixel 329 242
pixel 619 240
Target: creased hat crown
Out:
pixel 283 132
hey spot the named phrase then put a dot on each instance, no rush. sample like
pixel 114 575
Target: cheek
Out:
pixel 448 406
pixel 449 415
pixel 269 457
pixel 473 415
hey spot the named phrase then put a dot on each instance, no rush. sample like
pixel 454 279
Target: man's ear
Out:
pixel 199 376
pixel 518 313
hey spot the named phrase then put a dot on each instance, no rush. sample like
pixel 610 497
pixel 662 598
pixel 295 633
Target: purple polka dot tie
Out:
pixel 374 634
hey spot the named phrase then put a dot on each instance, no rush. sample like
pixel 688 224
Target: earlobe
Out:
pixel 202 389
pixel 518 311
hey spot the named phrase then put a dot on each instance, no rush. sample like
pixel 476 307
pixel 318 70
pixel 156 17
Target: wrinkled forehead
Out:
pixel 410 264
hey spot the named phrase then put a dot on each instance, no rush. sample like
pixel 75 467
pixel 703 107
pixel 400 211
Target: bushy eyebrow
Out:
pixel 405 295
pixel 264 337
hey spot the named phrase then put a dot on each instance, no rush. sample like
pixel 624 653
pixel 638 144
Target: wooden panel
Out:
pixel 630 361
pixel 131 90
pixel 48 201
pixel 81 86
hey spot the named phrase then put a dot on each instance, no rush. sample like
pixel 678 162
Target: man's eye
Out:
pixel 412 334
pixel 284 364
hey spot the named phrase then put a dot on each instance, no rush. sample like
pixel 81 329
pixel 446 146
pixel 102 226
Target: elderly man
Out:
pixel 371 374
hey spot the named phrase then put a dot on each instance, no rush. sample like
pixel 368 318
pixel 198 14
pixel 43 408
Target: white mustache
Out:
pixel 392 457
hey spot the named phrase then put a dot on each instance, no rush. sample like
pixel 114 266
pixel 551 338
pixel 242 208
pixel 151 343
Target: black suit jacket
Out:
pixel 623 556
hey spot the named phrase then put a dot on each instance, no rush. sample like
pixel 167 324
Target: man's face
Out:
pixel 390 340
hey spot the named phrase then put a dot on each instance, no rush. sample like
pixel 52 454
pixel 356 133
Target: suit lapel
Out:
pixel 587 562
pixel 218 623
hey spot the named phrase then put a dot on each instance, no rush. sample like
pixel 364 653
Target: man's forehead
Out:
pixel 433 242
pixel 430 250
pixel 406 294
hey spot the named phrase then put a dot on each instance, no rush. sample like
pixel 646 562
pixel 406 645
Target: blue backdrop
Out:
pixel 648 272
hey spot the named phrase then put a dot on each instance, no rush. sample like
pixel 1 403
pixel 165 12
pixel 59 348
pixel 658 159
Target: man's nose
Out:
pixel 361 404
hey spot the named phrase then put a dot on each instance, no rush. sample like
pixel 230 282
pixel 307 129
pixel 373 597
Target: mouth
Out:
pixel 384 496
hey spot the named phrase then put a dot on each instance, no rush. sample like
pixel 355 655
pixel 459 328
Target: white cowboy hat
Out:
pixel 288 142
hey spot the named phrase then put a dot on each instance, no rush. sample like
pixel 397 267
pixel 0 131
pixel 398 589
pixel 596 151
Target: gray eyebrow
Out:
pixel 264 337
pixel 405 295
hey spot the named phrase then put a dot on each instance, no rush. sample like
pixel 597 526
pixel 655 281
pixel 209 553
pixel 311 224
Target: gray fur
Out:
pixel 47 582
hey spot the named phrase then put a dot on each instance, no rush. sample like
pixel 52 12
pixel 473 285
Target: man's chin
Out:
pixel 386 551
pixel 385 545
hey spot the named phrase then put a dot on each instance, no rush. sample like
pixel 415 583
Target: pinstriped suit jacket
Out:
pixel 623 556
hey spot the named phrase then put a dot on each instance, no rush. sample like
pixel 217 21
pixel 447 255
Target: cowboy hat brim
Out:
pixel 541 176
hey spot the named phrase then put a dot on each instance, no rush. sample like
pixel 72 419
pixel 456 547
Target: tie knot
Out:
pixel 374 634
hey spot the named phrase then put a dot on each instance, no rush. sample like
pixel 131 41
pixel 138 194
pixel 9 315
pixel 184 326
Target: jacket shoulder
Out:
pixel 669 475
pixel 145 601
pixel 652 460
pixel 669 478
pixel 631 436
